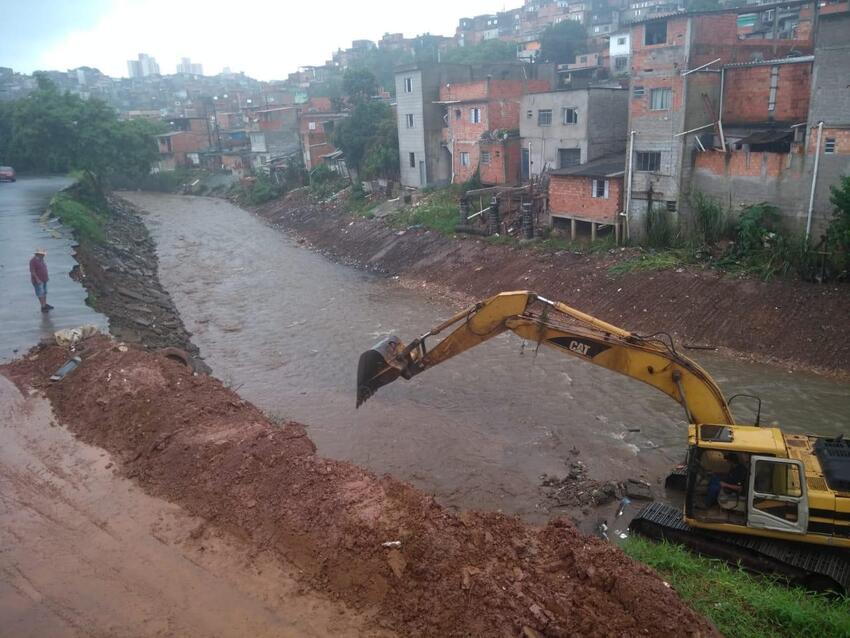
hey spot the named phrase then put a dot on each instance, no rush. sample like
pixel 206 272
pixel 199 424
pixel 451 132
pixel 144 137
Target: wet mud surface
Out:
pixel 372 542
pixel 787 322
pixel 85 552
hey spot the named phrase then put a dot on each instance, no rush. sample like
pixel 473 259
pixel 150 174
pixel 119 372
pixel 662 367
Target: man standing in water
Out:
pixel 38 275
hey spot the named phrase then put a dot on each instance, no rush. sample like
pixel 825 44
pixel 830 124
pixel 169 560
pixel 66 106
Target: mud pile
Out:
pixel 373 542
pixel 698 307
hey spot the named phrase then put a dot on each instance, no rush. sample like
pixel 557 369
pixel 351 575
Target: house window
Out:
pixel 529 114
pixel 570 115
pixel 599 189
pixel 409 120
pixel 412 159
pixel 457 114
pixel 485 157
pixel 621 41
pixel 648 160
pixel 408 85
pixel 544 117
pixel 671 206
pixel 311 126
pixel 660 99
pixel 475 115
pixel 637 92
pixel 829 145
pixel 569 157
pixel 621 63
pixel 655 33
pixel 464 159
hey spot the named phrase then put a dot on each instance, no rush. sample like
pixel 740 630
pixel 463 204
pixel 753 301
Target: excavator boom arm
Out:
pixel 563 328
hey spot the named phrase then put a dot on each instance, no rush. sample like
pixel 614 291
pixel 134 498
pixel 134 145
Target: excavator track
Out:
pixel 814 567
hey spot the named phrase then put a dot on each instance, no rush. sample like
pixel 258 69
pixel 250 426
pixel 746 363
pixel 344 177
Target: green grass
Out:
pixel 661 260
pixel 86 223
pixel 437 211
pixel 741 604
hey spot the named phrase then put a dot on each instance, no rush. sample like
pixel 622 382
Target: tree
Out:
pixel 49 131
pixel 381 159
pixel 482 53
pixel 359 85
pixel 561 42
pixel 367 140
pixel 838 232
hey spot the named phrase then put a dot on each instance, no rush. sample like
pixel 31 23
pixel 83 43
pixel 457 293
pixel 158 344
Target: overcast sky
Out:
pixel 264 38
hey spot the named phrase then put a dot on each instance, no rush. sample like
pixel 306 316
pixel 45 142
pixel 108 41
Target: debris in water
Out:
pixel 638 489
pixel 395 544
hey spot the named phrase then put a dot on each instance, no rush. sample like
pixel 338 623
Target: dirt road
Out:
pixel 84 552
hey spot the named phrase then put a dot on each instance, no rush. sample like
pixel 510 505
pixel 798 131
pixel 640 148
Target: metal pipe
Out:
pixel 700 68
pixel 694 130
pixel 629 164
pixel 814 182
pixel 722 92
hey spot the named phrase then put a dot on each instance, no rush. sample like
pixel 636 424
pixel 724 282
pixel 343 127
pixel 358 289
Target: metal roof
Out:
pixel 609 166
pixel 766 137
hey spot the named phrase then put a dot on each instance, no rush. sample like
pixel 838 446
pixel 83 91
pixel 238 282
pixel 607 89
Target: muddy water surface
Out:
pixel 286 327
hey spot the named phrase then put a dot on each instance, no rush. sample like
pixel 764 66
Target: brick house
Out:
pixel 675 97
pixel 424 156
pixel 485 110
pixel 590 193
pixel 315 131
pixel 180 146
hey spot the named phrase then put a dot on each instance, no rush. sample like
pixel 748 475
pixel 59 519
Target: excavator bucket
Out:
pixel 378 367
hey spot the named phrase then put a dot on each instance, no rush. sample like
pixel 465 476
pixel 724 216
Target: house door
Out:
pixel 526 167
pixel 423 178
pixel 777 495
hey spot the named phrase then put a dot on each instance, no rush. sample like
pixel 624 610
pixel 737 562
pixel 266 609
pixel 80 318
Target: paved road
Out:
pixel 22 325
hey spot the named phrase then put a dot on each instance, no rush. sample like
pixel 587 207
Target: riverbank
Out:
pixel 372 542
pixel 118 268
pixel 785 322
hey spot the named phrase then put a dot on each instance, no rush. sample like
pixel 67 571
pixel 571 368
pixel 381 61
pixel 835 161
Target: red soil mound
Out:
pixel 190 439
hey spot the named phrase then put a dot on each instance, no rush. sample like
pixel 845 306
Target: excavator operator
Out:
pixel 733 481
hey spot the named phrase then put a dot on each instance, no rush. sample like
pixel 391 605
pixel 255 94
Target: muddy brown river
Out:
pixel 285 326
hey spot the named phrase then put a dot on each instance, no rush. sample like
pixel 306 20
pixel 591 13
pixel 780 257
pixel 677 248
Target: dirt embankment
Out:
pixel 120 276
pixel 373 542
pixel 791 323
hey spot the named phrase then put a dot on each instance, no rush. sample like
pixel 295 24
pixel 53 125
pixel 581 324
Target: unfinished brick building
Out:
pixel 482 127
pixel 674 112
pixel 782 134
pixel 590 193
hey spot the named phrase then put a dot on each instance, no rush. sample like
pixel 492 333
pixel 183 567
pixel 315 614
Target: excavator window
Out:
pixel 715 433
pixel 777 495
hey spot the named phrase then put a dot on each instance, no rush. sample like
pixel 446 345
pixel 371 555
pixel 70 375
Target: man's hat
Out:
pixel 40 251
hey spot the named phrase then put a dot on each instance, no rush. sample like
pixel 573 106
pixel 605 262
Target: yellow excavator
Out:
pixel 772 501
